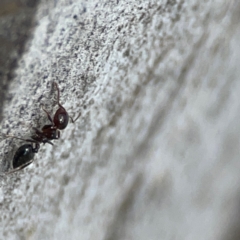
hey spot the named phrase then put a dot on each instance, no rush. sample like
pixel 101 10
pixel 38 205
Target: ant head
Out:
pixel 61 118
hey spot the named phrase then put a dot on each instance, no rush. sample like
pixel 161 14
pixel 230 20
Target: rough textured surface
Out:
pixel 155 154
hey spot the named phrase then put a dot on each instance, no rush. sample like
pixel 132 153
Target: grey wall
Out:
pixel 155 154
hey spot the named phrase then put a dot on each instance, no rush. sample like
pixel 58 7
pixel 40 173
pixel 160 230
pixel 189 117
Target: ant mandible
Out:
pixel 25 154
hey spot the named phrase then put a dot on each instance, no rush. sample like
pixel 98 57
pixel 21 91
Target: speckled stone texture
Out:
pixel 155 154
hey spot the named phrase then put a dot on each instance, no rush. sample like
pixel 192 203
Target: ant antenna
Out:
pixel 48 115
pixel 73 121
pixel 58 95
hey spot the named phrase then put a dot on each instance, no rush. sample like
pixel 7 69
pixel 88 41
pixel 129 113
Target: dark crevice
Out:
pixel 16 21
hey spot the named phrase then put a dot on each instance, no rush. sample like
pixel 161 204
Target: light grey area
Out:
pixel 155 154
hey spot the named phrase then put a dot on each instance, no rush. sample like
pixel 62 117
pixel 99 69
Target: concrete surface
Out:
pixel 155 154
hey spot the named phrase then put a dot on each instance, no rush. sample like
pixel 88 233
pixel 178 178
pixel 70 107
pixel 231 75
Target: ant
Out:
pixel 25 154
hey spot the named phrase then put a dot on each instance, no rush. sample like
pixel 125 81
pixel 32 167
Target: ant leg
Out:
pixel 39 140
pixel 27 140
pixel 19 168
pixel 47 141
pixel 73 121
pixel 48 115
pixel 30 140
pixel 58 95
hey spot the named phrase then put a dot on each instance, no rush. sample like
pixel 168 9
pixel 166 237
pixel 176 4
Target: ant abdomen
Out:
pixel 23 155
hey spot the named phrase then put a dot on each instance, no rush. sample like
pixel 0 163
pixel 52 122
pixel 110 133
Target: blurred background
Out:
pixel 16 22
pixel 155 154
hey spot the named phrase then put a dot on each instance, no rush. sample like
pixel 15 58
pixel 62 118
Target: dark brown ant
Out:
pixel 25 154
